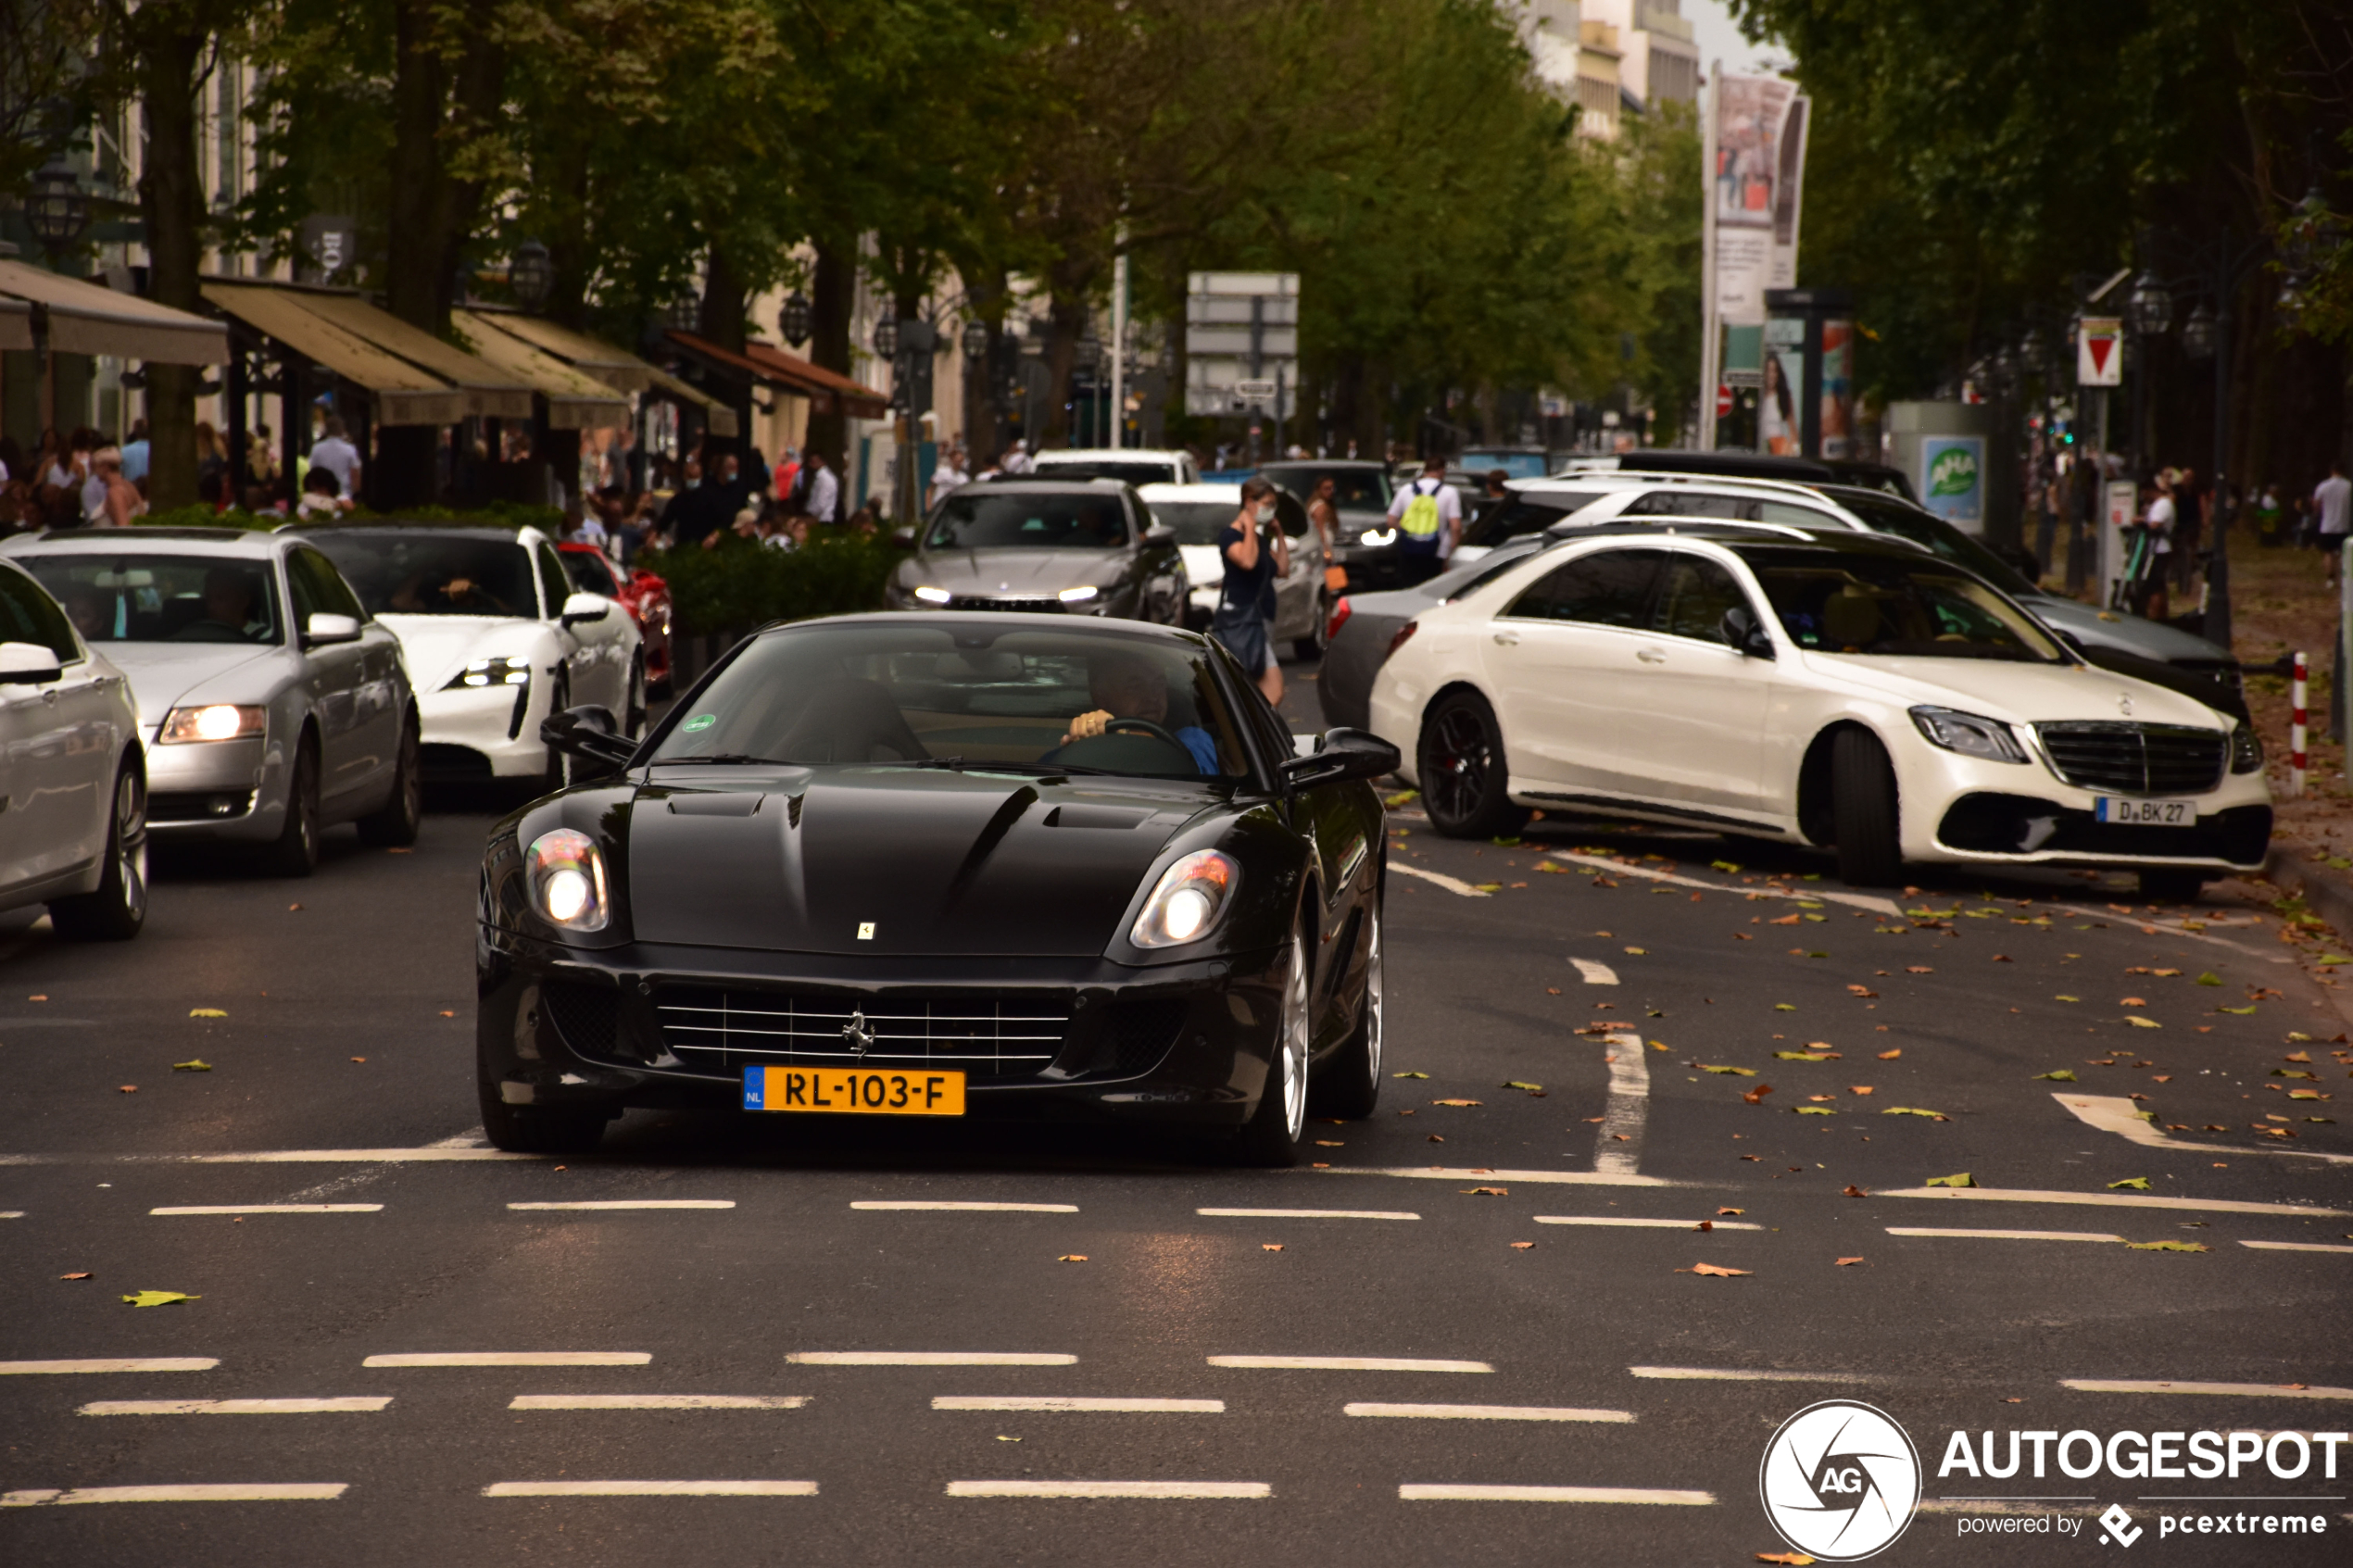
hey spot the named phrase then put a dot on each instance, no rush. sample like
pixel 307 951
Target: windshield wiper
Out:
pixel 1043 768
pixel 955 764
pixel 728 759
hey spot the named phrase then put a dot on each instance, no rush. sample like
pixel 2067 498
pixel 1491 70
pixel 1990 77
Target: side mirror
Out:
pixel 1740 629
pixel 1344 754
pixel 590 734
pixel 902 538
pixel 323 630
pixel 27 664
pixel 1160 533
pixel 582 608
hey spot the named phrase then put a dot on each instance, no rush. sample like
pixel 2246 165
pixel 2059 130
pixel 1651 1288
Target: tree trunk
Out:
pixel 435 104
pixel 834 297
pixel 171 204
pixel 1067 317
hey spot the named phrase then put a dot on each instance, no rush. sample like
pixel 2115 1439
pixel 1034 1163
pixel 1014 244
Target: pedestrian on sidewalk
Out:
pixel 2190 515
pixel 1255 557
pixel 2146 592
pixel 2333 510
pixel 821 496
pixel 1429 515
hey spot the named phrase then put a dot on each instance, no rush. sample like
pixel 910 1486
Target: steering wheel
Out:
pixel 1148 727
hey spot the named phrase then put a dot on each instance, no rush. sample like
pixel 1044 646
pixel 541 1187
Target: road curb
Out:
pixel 2327 893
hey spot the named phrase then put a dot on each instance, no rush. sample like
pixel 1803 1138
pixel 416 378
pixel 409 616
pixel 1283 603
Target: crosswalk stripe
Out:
pixel 971 1208
pixel 1648 1224
pixel 324 1491
pixel 1307 1213
pixel 1595 973
pixel 1485 1413
pixel 598 1205
pixel 929 1358
pixel 1065 1403
pixel 273 1208
pixel 235 1406
pixel 512 1358
pixel 1730 1375
pixel 1556 1494
pixel 657 1401
pixel 1346 1364
pixel 111 1363
pixel 2005 1235
pixel 1110 1490
pixel 651 1489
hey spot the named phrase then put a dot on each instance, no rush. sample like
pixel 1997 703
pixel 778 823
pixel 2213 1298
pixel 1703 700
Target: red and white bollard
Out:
pixel 2296 729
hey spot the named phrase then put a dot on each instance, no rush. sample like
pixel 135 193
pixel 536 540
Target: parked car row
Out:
pixel 257 689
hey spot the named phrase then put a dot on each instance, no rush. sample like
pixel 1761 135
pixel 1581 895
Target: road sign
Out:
pixel 1256 391
pixel 2100 351
pixel 1242 342
pixel 1723 401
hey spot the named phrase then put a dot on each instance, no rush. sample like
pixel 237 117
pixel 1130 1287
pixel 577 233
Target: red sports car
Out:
pixel 644 594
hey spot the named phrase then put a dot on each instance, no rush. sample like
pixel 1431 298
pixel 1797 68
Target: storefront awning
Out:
pixel 405 395
pixel 16 324
pixel 576 401
pixel 824 387
pixel 717 416
pixel 87 319
pixel 491 392
pixel 617 368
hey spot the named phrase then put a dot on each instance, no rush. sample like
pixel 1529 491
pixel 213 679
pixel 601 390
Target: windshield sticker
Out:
pixel 698 723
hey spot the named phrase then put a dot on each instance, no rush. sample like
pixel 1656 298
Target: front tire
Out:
pixel 1271 1137
pixel 1349 1086
pixel 1465 781
pixel 1865 809
pixel 526 1129
pixel 116 910
pixel 394 825
pixel 295 852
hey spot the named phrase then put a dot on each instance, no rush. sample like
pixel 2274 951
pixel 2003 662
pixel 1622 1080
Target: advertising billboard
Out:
pixel 1952 479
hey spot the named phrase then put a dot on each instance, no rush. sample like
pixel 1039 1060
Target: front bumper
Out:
pixel 1184 1044
pixel 1965 811
pixel 231 789
pixel 500 725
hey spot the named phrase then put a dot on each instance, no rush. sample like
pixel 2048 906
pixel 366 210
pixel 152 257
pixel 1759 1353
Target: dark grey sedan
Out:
pixel 1060 546
pixel 1363 625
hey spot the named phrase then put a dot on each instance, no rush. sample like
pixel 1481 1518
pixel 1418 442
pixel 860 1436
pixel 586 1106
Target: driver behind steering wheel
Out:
pixel 1124 686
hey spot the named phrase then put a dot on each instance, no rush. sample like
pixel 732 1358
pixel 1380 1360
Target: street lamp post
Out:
pixel 57 212
pixel 531 275
pixel 792 320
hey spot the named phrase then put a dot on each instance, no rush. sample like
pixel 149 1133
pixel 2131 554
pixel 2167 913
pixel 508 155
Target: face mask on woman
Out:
pixel 1266 511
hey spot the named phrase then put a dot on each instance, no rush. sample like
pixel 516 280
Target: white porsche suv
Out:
pixel 1817 687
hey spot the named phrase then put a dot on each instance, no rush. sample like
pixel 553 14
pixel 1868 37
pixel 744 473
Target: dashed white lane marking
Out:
pixel 1347 1363
pixel 600 1204
pixel 1046 1402
pixel 2108 1200
pixel 970 1206
pixel 1730 1375
pixel 1308 1213
pixel 606 1204
pixel 11 1213
pixel 1533 1178
pixel 472 1139
pixel 112 1364
pixel 651 1489
pixel 657 1401
pixel 324 1491
pixel 1618 1145
pixel 1452 883
pixel 1857 900
pixel 432 1153
pixel 2239 1390
pixel 1595 973
pixel 513 1358
pixel 2007 1236
pixel 235 1407
pixel 2114 1113
pixel 1485 1413
pixel 1646 1224
pixel 929 1358
pixel 273 1208
pixel 2296 1246
pixel 1110 1488
pixel 1556 1494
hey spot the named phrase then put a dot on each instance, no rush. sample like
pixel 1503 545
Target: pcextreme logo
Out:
pixel 1839 1480
pixel 1953 473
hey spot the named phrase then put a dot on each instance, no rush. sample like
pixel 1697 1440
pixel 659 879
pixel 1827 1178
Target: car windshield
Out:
pixel 590 573
pixel 994 520
pixel 154 599
pixel 1857 604
pixel 1130 473
pixel 1196 522
pixel 1464 580
pixel 1941 538
pixel 429 573
pixel 914 692
pixel 1353 489
pixel 1520 465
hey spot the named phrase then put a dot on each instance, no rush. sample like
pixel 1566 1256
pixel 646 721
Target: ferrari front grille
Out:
pixel 988 1034
pixel 2136 759
pixel 1049 604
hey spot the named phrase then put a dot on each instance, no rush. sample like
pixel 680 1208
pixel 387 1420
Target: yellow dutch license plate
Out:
pixel 853 1091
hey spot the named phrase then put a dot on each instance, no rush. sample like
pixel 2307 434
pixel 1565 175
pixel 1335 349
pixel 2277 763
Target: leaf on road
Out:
pixel 1705 1226
pixel 1329 1143
pixel 1890 1056
pixel 1711 1269
pixel 1958 1179
pixel 2001 958
pixel 1270 1247
pixel 1918 969
pixel 1911 1111
pixel 2138 1183
pixel 1756 1095
pixel 1784 1007
pixel 2058 1075
pixel 2297 1037
pixel 1785 919
pixel 1816 1110
pixel 1819 1100
pixel 2306 1094
pixel 1458 1102
pixel 2292 1072
pixel 2137 1021
pixel 1720 1213
pixel 1409 1074
pixel 1853 1191
pixel 207 1012
pixel 1743 1072
pixel 84 1276
pixel 1805 1056
pixel 1522 1246
pixel 1402 797
pixel 2067 999
pixel 2168 1246
pixel 127 1088
pixel 1515 1084
pixel 1862 991
pixel 2241 1011
pixel 158 1297
pixel 1072 1258
pixel 1787 1559
pixel 193 1065
pixel 1725 866
pixel 1859 1089
pixel 1636 951
pixel 1435 1138
pixel 1848 1262
pixel 2297 1056
pixel 1486 1191
pixel 1489 887
pixel 2209 978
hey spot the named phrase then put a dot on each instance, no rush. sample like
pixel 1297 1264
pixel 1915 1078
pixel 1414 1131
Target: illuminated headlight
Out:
pixel 658 619
pixel 1987 739
pixel 1187 901
pixel 1376 537
pixel 567 877
pixel 932 596
pixel 491 673
pixel 1078 595
pixel 2246 750
pixel 219 722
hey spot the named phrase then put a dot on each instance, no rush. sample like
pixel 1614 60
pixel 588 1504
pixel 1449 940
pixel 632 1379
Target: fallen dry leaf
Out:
pixel 1457 1102
pixel 1522 1246
pixel 127 1088
pixel 1329 1143
pixel 445 1013
pixel 1714 1271
pixel 359 1058
pixel 2132 1002
pixel 1072 1258
pixel 196 1064
pixel 84 1275
pixel 1705 1226
pixel 158 1297
pixel 1486 1191
pixel 1270 1247
pixel 1721 1211
pixel 207 1012
pixel 1859 1089
pixel 1787 1559
pixel 1848 1262
pixel 1856 1192
pixel 1890 1056
pixel 1756 1095
pixel 1409 1074
pixel 1436 1138
pixel 1862 990
pixel 1918 969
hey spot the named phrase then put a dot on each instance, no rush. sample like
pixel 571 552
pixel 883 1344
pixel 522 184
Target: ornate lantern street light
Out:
pixel 2197 332
pixel 792 320
pixel 886 337
pixel 55 208
pixel 2150 306
pixel 531 274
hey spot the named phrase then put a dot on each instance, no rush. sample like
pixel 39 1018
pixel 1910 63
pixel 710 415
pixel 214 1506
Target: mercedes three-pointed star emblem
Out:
pixel 855 1034
pixel 2124 705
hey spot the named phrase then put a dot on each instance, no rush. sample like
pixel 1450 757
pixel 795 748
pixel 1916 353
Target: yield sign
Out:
pixel 2099 358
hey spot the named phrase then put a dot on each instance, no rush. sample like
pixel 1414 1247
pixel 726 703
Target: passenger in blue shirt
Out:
pixel 1127 687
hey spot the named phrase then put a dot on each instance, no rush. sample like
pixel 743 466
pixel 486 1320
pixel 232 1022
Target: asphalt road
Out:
pixel 1527 1253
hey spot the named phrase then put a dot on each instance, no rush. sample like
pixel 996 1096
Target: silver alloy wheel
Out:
pixel 131 844
pixel 1292 1042
pixel 1372 1023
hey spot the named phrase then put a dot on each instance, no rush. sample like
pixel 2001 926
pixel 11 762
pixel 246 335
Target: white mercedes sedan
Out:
pixel 1833 689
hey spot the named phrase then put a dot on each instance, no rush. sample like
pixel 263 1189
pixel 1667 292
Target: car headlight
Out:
pixel 1188 900
pixel 1078 595
pixel 1987 739
pixel 491 673
pixel 567 878
pixel 1376 537
pixel 932 596
pixel 2246 750
pixel 217 721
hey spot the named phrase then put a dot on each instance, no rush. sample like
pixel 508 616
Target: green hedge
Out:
pixel 740 585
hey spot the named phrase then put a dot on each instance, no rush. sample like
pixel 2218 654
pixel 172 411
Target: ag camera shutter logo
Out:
pixel 1839 1480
